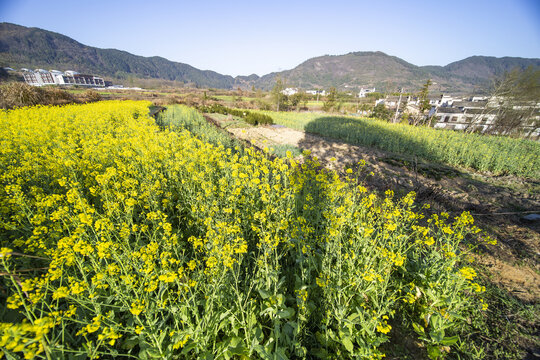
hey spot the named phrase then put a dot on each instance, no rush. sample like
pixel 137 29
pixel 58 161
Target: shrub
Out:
pixel 380 111
pixel 18 94
pixel 213 109
pixel 258 119
pixel 58 96
pixel 91 96
pixel 263 105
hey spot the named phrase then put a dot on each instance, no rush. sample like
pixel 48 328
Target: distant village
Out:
pixel 473 113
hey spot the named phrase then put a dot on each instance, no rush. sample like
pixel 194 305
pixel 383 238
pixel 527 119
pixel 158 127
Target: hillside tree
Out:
pixel 278 97
pixel 423 105
pixel 297 99
pixel 380 111
pixel 330 101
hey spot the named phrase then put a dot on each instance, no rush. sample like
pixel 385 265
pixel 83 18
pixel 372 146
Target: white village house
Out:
pixel 363 92
pixel 475 113
pixel 289 91
pixel 315 92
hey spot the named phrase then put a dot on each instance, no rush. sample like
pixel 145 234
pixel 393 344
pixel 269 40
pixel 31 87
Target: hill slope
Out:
pixel 350 71
pixel 36 48
pixel 389 73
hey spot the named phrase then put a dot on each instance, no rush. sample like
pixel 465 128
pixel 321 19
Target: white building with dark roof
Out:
pixel 363 92
pixel 455 118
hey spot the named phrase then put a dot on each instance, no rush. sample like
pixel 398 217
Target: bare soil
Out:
pixel 498 204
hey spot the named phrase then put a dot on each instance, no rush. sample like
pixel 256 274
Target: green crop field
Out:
pixel 495 154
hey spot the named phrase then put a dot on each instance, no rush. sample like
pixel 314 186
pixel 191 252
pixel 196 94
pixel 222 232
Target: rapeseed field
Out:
pixel 122 238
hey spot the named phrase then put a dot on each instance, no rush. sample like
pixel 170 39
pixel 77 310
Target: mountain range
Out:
pixel 37 48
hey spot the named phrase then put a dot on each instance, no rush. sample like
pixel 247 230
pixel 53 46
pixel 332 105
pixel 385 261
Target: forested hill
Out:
pixel 389 73
pixel 36 48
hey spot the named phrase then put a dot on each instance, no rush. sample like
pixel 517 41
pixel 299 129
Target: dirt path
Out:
pixel 497 207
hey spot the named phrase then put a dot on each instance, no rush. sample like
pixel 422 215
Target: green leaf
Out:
pixel 332 335
pixel 450 340
pixel 353 317
pixel 235 341
pixel 224 315
pixel 153 353
pixel 285 313
pixel 437 321
pixel 207 355
pixel 188 348
pixel 419 329
pixel 259 335
pixel 456 316
pixel 253 318
pixel 236 347
pixel 346 341
pixel 142 353
pixel 268 310
pixel 262 352
pixel 264 294
pixel 437 336
pixel 280 354
pixel 130 343
pixel 434 352
pixel 9 356
pixel 223 324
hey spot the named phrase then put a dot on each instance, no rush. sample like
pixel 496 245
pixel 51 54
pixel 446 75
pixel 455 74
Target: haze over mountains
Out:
pixel 36 48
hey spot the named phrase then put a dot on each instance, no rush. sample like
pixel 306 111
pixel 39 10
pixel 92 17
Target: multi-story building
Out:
pixel 42 77
pixel 39 77
pixel 31 78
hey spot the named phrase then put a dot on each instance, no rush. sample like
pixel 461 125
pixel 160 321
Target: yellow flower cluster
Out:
pixel 468 273
pixel 26 337
pixel 383 326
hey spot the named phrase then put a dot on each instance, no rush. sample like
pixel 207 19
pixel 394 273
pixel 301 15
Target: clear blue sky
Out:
pixel 245 37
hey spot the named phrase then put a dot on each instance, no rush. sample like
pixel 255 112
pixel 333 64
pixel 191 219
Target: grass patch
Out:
pixel 281 150
pixel 229 121
pixel 181 116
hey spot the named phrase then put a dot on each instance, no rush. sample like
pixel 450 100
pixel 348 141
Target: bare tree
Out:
pixel 514 103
